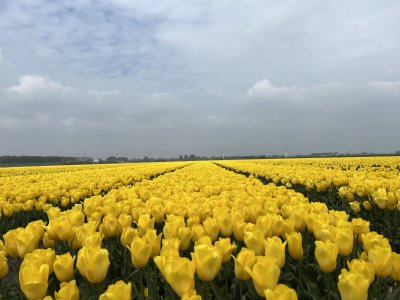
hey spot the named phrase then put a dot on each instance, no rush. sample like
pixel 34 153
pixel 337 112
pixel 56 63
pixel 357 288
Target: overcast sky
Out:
pixel 163 78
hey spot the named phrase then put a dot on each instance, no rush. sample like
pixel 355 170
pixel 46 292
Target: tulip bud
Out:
pixel 124 221
pixel 265 274
pixel 344 239
pixel 93 263
pixel 128 233
pixel 207 260
pixel 295 245
pixel 238 230
pixel 64 267
pixel 362 267
pixel 353 286
pixel 197 232
pixel 170 229
pixel 179 274
pixel 145 222
pixel 154 240
pixel 226 248
pixel 140 252
pixel 26 242
pixel 185 236
pixel 382 260
pixel 109 226
pixel 119 290
pixel 224 220
pixel 60 229
pixel 245 258
pixel 211 227
pixel 33 280
pixel 360 226
pixel 281 292
pixel 68 291
pixel 275 248
pixel 10 241
pixel 93 240
pixel 157 211
pixel 395 274
pixel 326 255
pixel 254 240
pixel 3 265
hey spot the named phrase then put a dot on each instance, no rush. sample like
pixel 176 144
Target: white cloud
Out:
pixel 1 57
pixel 386 85
pixel 265 88
pixel 32 84
pixel 103 94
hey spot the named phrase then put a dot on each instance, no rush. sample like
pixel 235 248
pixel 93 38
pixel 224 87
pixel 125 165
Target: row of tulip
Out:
pixel 174 236
pixel 69 184
pixel 374 179
pixel 378 207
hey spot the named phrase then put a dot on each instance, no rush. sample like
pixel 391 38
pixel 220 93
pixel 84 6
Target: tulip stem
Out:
pixel 3 290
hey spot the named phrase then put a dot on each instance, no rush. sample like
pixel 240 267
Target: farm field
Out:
pixel 324 228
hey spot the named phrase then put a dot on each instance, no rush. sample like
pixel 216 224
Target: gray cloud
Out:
pixel 171 77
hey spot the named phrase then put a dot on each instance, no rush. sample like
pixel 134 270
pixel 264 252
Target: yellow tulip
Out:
pixel 127 235
pixel 353 286
pixel 281 292
pixel 109 226
pixel 170 229
pixel 207 260
pixel 47 242
pixel 395 274
pixel 64 267
pixel 238 230
pixel 33 280
pixel 76 217
pixel 326 255
pixel 158 212
pixel 382 259
pixel 245 258
pixel 154 240
pixel 68 291
pixel 93 240
pixel 360 226
pixel 255 240
pixel 179 274
pixel 295 245
pixel 37 229
pixel 197 232
pixel 118 291
pixel 185 236
pixel 171 243
pixel 140 252
pixel 93 263
pixel 211 227
pixel 3 265
pixel 191 295
pixel 265 274
pixel 124 221
pixel 204 240
pixel 226 248
pixel 41 256
pixel 26 242
pixel 344 239
pixel 362 267
pixel 224 220
pixel 145 222
pixel 60 229
pixel 367 205
pixel 10 241
pixel 275 248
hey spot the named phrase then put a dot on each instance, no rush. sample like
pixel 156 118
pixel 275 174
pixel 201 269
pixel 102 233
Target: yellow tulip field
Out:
pixel 323 228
